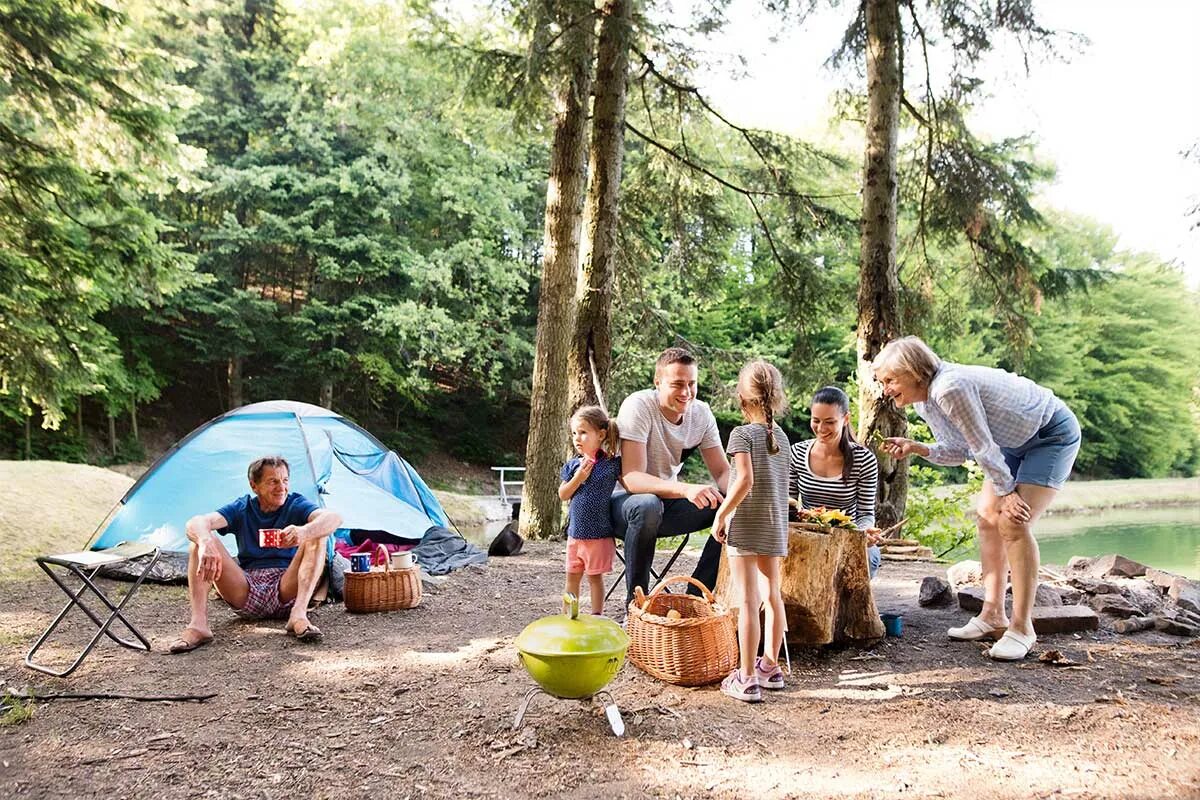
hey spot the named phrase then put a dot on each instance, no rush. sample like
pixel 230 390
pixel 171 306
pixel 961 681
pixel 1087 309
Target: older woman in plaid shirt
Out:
pixel 1023 437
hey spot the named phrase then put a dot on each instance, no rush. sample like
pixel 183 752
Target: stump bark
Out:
pixel 826 587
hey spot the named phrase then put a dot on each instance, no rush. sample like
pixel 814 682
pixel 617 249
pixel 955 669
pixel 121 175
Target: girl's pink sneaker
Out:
pixel 735 687
pixel 770 677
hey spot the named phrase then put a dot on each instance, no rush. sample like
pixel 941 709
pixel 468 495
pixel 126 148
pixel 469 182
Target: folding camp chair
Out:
pixel 84 566
pixel 656 576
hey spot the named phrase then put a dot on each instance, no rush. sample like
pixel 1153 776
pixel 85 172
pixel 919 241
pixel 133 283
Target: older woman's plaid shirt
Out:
pixel 974 411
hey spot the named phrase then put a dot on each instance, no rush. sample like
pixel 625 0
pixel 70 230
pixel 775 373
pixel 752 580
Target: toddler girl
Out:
pixel 588 481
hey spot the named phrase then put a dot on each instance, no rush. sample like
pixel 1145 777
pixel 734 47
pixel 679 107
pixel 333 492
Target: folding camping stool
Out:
pixel 656 576
pixel 84 566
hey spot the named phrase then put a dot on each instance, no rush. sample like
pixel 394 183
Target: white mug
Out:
pixel 402 560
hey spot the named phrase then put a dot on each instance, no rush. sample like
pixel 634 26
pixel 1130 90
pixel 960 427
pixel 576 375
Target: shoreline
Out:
pixel 1058 511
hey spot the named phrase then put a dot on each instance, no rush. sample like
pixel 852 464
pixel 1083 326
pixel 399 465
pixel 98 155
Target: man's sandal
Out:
pixel 311 633
pixel 974 630
pixel 1012 646
pixel 185 645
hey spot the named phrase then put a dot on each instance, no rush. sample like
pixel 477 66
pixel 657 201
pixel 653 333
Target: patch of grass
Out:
pixel 13 638
pixel 1136 492
pixel 16 710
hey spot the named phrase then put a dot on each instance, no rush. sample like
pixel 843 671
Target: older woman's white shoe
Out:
pixel 974 630
pixel 1012 646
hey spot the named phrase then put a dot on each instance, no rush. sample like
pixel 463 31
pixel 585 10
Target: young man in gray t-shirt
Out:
pixel 659 427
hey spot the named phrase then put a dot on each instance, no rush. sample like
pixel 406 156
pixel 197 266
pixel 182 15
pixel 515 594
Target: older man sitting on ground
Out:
pixel 264 582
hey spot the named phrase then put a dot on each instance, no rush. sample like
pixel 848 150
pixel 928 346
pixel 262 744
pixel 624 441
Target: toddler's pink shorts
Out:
pixel 590 556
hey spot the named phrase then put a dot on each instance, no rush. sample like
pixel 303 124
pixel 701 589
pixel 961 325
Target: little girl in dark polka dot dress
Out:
pixel 588 481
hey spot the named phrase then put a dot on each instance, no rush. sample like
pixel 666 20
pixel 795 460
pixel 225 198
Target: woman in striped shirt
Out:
pixel 834 471
pixel 1023 438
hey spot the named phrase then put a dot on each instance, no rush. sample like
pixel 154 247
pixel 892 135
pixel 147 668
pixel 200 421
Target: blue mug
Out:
pixel 360 562
pixel 893 624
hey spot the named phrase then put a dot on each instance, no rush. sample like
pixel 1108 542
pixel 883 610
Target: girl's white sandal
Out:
pixel 974 630
pixel 1012 646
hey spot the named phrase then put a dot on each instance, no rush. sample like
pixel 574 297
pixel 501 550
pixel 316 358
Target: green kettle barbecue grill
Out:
pixel 572 657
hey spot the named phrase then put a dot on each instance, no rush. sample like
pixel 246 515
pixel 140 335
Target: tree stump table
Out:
pixel 826 586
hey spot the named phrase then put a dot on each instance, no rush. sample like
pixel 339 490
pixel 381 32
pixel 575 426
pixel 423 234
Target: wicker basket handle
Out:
pixel 387 558
pixel 708 596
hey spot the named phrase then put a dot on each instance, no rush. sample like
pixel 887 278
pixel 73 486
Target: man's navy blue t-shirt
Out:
pixel 587 516
pixel 245 517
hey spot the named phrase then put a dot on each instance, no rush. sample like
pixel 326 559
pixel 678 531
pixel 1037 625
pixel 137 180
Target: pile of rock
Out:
pixel 1137 596
pixel 1130 596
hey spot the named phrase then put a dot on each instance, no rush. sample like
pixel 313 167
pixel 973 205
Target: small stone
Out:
pixel 1115 566
pixel 1064 619
pixel 1078 565
pixel 935 592
pixel 1186 594
pixel 1144 595
pixel 1176 626
pixel 964 573
pixel 1114 605
pixel 1095 585
pixel 1069 595
pixel 1161 578
pixel 999 692
pixel 970 598
pixel 1047 596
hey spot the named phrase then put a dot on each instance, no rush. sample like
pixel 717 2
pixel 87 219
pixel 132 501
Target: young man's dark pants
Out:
pixel 640 520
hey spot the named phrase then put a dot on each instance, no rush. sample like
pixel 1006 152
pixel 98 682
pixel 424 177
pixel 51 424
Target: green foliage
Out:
pixel 85 132
pixel 1123 357
pixel 377 242
pixel 939 515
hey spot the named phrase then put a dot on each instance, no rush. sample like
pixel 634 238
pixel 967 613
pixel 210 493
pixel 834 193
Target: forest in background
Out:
pixel 208 204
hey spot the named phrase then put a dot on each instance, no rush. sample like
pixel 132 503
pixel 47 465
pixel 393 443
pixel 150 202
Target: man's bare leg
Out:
pixel 300 581
pixel 232 585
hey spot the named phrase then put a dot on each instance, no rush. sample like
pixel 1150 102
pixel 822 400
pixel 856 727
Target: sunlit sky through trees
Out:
pixel 1115 116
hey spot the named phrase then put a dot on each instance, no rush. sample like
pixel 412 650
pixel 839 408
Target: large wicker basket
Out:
pixel 697 649
pixel 383 588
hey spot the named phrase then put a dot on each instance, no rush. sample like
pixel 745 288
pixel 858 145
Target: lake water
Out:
pixel 1166 538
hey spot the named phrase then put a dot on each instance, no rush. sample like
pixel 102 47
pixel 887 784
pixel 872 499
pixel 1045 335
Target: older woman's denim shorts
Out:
pixel 1047 458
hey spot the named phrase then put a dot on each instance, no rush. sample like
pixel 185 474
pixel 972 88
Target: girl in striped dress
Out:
pixel 834 471
pixel 756 536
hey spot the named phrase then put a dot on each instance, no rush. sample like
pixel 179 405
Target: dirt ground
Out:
pixel 420 703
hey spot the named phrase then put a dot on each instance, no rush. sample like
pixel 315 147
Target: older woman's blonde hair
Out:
pixel 908 355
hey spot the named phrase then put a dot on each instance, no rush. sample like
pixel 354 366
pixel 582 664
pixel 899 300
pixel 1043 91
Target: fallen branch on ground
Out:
pixel 144 698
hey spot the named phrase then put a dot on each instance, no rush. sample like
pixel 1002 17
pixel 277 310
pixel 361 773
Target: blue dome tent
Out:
pixel 334 463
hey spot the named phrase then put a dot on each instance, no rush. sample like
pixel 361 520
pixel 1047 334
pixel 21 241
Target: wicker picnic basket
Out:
pixel 697 649
pixel 383 588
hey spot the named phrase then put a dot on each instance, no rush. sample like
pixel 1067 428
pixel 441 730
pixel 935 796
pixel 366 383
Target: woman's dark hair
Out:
pixel 833 396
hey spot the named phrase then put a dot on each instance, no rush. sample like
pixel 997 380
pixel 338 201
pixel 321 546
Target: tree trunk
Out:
pixel 591 345
pixel 112 434
pixel 29 437
pixel 326 398
pixel 133 428
pixel 235 382
pixel 540 507
pixel 879 284
pixel 79 417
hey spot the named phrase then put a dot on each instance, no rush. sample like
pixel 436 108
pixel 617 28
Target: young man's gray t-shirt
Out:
pixel 641 420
